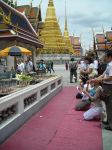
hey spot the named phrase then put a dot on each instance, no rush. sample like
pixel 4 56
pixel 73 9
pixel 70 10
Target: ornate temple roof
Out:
pixel 100 38
pixel 104 41
pixel 75 41
pixel 109 36
pixel 17 25
pixel 31 12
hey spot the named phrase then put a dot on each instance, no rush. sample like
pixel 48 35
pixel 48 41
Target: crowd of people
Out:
pixel 95 88
pixel 47 67
pixel 28 66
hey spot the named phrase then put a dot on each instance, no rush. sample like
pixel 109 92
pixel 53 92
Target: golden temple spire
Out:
pixel 68 43
pixel 66 34
pixel 51 34
pixel 50 3
pixel 65 17
pixel 50 14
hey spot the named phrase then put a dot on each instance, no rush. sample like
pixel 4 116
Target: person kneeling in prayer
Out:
pixel 96 110
pixel 84 104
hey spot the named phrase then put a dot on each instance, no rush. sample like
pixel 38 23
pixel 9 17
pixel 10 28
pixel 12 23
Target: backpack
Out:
pixel 73 67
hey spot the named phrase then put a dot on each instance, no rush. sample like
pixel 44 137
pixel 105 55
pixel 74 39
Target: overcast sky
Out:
pixel 82 16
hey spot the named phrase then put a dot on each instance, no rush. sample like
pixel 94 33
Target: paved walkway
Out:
pixel 57 127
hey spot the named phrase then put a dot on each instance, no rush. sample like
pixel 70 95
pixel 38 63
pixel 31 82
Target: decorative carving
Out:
pixel 7 19
pixel 44 91
pixel 7 113
pixel 53 86
pixel 59 82
pixel 29 100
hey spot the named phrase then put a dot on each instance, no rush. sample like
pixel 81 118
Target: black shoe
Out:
pixel 105 122
pixel 108 128
pixel 71 82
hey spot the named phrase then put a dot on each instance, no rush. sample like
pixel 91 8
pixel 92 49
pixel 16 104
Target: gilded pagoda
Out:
pixel 51 34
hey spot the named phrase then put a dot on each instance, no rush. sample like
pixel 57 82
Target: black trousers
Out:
pixel 107 90
pixel 71 75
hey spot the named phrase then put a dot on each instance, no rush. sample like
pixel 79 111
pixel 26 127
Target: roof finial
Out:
pixel 50 3
pixel 40 3
pixel 103 29
pixel 15 3
pixel 31 3
pixel 39 7
pixel 94 42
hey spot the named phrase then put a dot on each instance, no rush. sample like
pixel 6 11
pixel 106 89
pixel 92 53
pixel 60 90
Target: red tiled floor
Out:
pixel 57 127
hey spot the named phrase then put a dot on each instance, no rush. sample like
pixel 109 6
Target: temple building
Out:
pixel 76 44
pixel 69 48
pixel 51 34
pixel 33 14
pixel 15 29
pixel 103 42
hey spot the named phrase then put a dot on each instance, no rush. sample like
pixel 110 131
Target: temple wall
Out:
pixel 18 107
pixel 57 58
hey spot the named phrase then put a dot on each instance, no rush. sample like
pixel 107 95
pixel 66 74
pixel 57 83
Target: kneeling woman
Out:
pixel 96 110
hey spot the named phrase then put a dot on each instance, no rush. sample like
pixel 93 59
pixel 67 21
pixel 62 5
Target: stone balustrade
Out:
pixel 16 108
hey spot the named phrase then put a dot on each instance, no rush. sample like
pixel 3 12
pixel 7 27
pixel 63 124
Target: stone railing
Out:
pixel 16 108
pixel 58 57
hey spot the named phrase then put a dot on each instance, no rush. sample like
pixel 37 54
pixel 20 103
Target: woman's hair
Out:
pixel 90 59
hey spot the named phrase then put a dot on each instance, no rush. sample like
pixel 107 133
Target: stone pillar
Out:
pixel 34 56
pixel 10 62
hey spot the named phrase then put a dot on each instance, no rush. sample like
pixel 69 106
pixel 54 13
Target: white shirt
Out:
pixel 22 66
pixel 94 71
pixel 108 72
pixel 29 66
pixel 91 66
pixel 83 65
pixel 95 64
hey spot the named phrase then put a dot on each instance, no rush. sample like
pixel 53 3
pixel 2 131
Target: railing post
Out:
pixel 20 106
